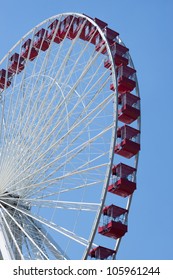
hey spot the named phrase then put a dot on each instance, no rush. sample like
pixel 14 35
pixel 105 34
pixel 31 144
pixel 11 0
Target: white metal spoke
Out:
pixel 12 237
pixel 68 205
pixel 52 181
pixel 47 223
pixel 55 193
pixel 22 230
pixel 82 119
pixel 80 148
pixel 46 240
pixel 63 204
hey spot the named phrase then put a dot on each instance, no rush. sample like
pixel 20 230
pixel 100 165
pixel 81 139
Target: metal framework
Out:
pixel 60 89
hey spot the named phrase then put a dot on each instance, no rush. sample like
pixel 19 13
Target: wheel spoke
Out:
pixel 47 223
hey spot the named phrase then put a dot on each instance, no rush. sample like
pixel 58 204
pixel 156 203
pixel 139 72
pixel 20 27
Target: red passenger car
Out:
pixel 16 64
pixel 115 228
pixel 125 183
pixel 129 141
pixel 128 107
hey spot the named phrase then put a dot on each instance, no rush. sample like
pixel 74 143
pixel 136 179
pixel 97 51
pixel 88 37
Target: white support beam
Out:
pixel 5 251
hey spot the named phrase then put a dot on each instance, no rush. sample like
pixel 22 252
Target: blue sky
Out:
pixel 146 29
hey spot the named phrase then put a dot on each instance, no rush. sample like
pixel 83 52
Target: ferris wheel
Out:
pixel 70 140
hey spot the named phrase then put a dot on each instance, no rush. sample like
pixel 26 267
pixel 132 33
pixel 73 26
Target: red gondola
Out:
pixel 115 228
pixel 68 27
pixel 91 32
pixel 53 32
pixel 100 23
pixel 41 41
pixel 83 26
pixel 126 79
pixel 16 63
pixel 71 26
pixel 28 51
pixel 101 253
pixel 110 35
pixel 5 79
pixel 125 183
pixel 129 138
pixel 129 107
pixel 119 54
pixel 100 45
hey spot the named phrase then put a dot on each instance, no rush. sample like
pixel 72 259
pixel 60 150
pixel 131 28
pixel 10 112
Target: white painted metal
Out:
pixel 58 122
pixel 54 128
pixel 5 250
